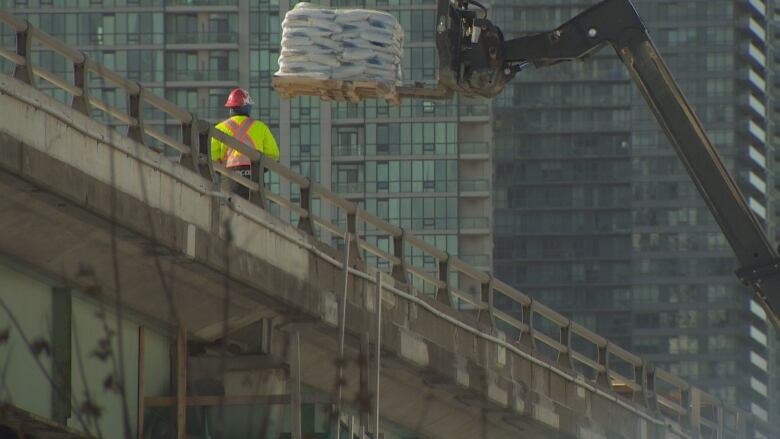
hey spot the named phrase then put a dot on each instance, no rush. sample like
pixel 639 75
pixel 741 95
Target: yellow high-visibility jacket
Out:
pixel 251 132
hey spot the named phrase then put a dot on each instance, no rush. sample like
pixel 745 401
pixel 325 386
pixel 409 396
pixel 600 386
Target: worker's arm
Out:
pixel 219 149
pixel 269 146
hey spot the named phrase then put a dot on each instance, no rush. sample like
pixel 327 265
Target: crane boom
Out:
pixel 476 60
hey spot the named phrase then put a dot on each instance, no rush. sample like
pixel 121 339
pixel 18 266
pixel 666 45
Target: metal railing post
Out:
pixel 202 150
pixel 644 374
pixel 306 224
pixel 527 336
pixel 135 103
pixel 257 169
pixel 354 252
pixel 565 358
pixel 443 292
pixel 189 137
pixel 602 378
pixel 399 270
pixel 24 49
pixel 719 421
pixel 80 80
pixel 485 316
pixel 691 401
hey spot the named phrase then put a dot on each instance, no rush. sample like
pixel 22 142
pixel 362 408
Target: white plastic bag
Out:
pixel 354 44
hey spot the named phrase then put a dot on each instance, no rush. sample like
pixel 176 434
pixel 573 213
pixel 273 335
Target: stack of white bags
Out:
pixel 353 44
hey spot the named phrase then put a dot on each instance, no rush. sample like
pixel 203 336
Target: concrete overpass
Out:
pixel 104 214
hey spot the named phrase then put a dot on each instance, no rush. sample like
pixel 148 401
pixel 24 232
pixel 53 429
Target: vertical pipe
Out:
pixel 244 35
pixel 141 383
pixel 365 392
pixel 342 333
pixel 295 376
pixel 378 352
pixel 181 384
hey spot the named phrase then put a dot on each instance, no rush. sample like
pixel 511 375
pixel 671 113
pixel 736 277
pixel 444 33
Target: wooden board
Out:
pixel 335 90
pixel 31 425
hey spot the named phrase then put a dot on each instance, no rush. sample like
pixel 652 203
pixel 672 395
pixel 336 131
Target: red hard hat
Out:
pixel 238 98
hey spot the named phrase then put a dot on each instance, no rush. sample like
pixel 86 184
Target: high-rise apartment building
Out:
pixel 596 216
pixel 593 212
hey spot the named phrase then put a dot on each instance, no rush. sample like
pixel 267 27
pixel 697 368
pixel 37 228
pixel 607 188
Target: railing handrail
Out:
pixel 195 149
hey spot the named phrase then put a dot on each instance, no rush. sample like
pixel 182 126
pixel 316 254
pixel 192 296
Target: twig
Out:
pixel 40 365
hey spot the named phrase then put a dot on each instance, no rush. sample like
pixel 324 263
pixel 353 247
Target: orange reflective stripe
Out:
pixel 243 132
pixel 232 124
pixel 240 133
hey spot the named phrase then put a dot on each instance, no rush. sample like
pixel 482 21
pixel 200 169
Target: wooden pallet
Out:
pixel 289 87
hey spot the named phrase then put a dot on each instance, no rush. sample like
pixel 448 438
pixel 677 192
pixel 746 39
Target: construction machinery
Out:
pixel 476 60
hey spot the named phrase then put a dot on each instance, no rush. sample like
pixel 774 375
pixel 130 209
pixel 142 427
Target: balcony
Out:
pixel 348 188
pixel 478 185
pixel 202 2
pixel 757 182
pixel 477 261
pixel 756 105
pixel 474 151
pixel 757 207
pixel 757 156
pixel 759 6
pixel 202 38
pixel 757 131
pixel 475 111
pixel 757 29
pixel 348 150
pixel 475 225
pixel 201 76
pixel 754 53
pixel 757 80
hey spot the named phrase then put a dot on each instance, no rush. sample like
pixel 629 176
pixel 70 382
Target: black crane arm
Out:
pixel 483 65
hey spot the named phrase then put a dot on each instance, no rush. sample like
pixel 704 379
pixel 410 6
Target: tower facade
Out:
pixel 596 216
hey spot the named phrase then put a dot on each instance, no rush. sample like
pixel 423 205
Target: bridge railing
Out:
pixel 525 322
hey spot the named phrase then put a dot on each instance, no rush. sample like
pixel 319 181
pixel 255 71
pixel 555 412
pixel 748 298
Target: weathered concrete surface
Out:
pixel 112 217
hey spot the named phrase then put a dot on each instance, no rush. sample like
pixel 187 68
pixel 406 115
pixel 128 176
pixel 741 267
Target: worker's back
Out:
pixel 249 131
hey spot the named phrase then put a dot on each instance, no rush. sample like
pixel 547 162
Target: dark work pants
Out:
pixel 237 188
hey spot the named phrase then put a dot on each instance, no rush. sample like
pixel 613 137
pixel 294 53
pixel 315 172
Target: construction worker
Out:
pixel 251 132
